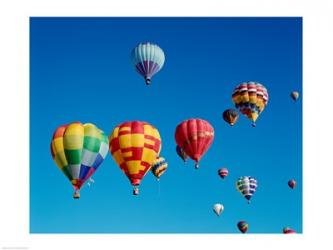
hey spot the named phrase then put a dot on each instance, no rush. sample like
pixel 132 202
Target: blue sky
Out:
pixel 80 70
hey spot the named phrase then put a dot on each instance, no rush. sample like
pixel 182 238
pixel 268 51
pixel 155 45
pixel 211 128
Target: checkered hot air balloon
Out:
pixel 148 58
pixel 160 165
pixel 194 136
pixel 251 99
pixel 78 150
pixel 134 147
pixel 247 186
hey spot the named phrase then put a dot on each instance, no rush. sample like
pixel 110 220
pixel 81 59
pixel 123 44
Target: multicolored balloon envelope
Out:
pixel 223 172
pixel 288 230
pixel 243 226
pixel 148 59
pixel 250 99
pixel 160 165
pixel 194 136
pixel 230 116
pixel 246 185
pixel 134 147
pixel 78 150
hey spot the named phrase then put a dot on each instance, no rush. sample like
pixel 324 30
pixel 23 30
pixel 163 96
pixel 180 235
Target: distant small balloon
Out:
pixel 243 226
pixel 294 95
pixel 292 184
pixel 181 153
pixel 230 116
pixel 218 209
pixel 288 230
pixel 160 165
pixel 223 172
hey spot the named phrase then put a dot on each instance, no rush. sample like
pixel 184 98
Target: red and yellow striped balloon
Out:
pixel 134 147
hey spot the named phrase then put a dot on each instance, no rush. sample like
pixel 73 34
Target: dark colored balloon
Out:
pixel 230 116
pixel 243 226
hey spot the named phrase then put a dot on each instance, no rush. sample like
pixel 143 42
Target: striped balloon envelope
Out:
pixel 160 165
pixel 134 146
pixel 148 58
pixel 78 150
pixel 250 99
pixel 246 185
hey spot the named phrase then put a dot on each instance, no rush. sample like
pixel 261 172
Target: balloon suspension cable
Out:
pixel 159 187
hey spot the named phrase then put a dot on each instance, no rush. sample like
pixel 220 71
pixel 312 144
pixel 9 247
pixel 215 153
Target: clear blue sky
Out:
pixel 80 70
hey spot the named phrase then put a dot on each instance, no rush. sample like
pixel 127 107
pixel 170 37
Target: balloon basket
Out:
pixel 147 81
pixel 76 195
pixel 136 191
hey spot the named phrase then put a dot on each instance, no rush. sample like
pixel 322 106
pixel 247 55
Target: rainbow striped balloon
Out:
pixel 160 165
pixel 250 99
pixel 134 147
pixel 78 150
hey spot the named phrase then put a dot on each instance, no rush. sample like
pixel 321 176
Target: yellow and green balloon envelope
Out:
pixel 78 150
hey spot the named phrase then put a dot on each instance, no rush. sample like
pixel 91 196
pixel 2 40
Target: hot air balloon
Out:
pixel 292 184
pixel 148 59
pixel 223 172
pixel 218 209
pixel 181 153
pixel 243 226
pixel 159 167
pixel 288 230
pixel 78 150
pixel 230 116
pixel 251 99
pixel 194 136
pixel 246 185
pixel 134 147
pixel 294 95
